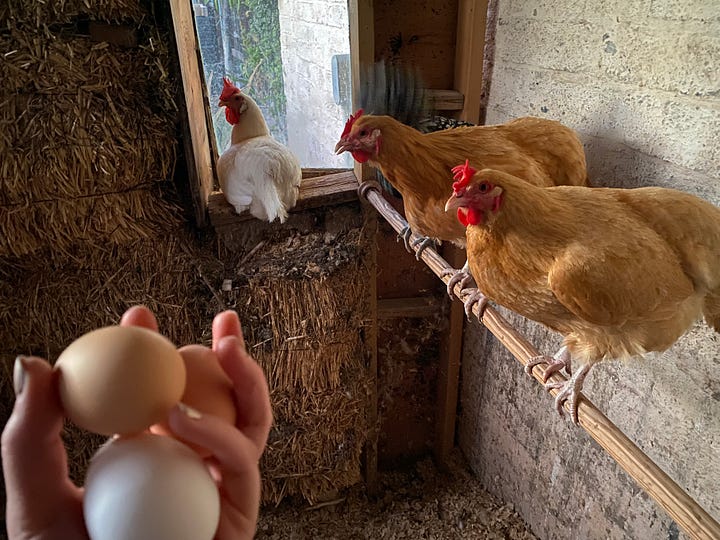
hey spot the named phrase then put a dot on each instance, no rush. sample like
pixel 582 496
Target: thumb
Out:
pixel 37 415
pixel 33 455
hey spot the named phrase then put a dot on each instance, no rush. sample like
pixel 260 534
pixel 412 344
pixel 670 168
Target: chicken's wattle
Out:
pixel 360 156
pixel 468 216
pixel 231 116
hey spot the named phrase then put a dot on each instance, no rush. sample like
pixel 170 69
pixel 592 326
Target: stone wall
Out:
pixel 639 80
pixel 311 32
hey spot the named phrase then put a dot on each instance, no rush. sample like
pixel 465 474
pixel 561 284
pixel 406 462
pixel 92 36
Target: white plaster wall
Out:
pixel 311 32
pixel 640 81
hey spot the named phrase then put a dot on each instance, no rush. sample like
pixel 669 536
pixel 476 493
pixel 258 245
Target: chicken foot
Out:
pixel 557 362
pixel 461 276
pixel 404 235
pixel 424 241
pixel 570 391
pixel 475 297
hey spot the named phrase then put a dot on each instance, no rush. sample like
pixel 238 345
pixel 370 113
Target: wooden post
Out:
pixel 448 378
pixel 197 144
pixel 469 51
pixel 362 52
pixel 656 483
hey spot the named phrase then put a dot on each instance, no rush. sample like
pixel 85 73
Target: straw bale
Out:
pixel 86 223
pixel 48 301
pixel 80 117
pixel 306 304
pixel 89 134
pixel 35 12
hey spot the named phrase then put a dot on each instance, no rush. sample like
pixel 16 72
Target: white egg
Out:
pixel 149 487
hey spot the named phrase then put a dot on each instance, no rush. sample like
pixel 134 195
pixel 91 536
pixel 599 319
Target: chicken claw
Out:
pixel 462 276
pixel 473 298
pixel 570 391
pixel 557 362
pixel 424 242
pixel 404 235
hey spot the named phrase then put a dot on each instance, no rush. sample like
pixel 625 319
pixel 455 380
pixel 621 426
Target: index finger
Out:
pixel 225 324
pixel 139 316
pixel 252 396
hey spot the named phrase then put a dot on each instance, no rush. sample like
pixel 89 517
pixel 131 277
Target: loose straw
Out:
pixel 676 502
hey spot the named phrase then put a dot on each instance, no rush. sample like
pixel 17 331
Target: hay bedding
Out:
pixel 420 502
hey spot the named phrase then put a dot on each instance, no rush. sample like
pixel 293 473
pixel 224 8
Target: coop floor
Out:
pixel 420 502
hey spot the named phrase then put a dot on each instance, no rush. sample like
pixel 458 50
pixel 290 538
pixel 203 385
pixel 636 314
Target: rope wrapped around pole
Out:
pixel 656 483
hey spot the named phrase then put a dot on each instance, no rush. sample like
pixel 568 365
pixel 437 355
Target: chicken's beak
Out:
pixel 343 145
pixel 454 203
pixel 223 103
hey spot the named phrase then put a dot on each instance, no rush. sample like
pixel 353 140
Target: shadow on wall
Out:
pixel 612 163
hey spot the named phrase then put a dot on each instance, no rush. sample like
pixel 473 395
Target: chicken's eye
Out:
pixel 363 132
pixel 484 187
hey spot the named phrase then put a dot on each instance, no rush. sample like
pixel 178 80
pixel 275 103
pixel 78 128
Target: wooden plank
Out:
pixel 445 100
pixel 418 34
pixel 448 378
pixel 651 478
pixel 315 192
pixel 469 54
pixel 362 52
pixel 197 150
pixel 418 307
pixel 312 172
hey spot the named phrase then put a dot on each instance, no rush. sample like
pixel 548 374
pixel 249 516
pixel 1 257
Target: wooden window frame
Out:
pixel 320 187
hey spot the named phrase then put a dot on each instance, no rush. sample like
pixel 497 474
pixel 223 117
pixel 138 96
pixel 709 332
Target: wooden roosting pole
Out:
pixel 676 502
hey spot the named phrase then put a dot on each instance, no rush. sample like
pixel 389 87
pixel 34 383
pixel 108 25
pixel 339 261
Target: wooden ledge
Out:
pixel 315 191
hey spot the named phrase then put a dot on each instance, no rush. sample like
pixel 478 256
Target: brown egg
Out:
pixel 120 379
pixel 208 389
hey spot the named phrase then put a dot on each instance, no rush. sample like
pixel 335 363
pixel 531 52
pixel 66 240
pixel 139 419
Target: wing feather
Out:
pixel 605 285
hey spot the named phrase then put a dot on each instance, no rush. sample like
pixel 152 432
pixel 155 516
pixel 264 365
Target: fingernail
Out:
pixel 189 411
pixel 19 375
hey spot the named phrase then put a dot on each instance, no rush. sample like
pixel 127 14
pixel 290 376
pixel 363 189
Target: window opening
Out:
pixel 295 55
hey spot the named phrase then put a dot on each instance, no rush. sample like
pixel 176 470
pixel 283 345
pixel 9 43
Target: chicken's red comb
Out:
pixel 229 89
pixel 462 174
pixel 351 121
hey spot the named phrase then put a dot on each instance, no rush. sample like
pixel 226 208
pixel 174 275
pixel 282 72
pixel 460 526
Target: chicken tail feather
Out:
pixel 268 197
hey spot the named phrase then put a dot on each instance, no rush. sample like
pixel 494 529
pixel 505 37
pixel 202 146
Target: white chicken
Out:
pixel 256 172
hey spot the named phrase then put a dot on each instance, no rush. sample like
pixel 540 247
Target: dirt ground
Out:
pixel 420 502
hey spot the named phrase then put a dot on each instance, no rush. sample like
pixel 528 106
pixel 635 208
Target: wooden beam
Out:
pixel 419 307
pixel 315 192
pixel 362 52
pixel 469 55
pixel 657 483
pixel 197 149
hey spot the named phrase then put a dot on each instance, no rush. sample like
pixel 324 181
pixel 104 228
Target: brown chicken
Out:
pixel 618 272
pixel 542 152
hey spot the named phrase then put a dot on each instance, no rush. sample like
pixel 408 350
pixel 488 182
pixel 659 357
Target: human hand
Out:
pixel 44 504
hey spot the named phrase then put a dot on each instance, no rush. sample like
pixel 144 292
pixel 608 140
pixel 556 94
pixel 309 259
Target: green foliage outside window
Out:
pixel 255 28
